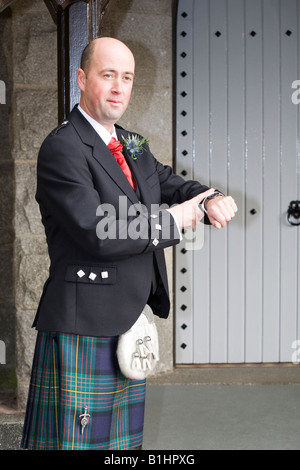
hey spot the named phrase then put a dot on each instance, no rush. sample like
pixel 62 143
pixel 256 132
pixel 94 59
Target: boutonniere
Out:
pixel 135 145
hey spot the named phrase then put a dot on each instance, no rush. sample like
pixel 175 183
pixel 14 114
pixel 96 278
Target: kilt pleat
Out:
pixel 75 375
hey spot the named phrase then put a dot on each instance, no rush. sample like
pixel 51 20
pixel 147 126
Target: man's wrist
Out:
pixel 202 204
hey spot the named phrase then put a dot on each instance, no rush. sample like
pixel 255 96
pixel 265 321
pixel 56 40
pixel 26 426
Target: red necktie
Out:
pixel 116 149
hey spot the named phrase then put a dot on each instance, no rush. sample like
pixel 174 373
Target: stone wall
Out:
pixel 28 54
pixel 7 305
pixel 33 115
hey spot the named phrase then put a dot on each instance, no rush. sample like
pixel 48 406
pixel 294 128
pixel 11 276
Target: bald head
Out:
pixel 105 79
pixel 105 45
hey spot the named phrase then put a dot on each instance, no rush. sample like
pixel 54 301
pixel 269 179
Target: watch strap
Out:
pixel 210 196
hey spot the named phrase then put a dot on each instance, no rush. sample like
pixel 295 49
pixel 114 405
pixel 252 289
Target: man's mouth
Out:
pixel 115 102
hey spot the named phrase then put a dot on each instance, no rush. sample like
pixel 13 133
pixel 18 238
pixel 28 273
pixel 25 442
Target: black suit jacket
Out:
pixel 101 273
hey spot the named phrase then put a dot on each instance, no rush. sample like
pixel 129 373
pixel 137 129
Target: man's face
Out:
pixel 106 88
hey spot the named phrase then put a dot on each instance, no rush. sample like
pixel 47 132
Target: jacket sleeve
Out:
pixel 175 190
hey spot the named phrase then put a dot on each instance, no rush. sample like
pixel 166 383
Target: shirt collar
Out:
pixel 101 131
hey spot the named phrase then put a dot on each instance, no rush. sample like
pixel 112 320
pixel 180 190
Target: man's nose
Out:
pixel 117 85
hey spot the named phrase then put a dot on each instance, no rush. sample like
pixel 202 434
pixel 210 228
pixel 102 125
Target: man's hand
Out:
pixel 220 210
pixel 188 214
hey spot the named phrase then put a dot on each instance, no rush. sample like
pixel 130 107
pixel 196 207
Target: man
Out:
pixel 100 276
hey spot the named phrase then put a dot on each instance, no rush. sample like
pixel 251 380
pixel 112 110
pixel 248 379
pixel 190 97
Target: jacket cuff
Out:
pixel 164 230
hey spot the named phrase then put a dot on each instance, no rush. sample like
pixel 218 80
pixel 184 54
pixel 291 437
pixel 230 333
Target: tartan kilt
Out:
pixel 74 374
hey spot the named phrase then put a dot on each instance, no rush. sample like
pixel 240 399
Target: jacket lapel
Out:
pixel 102 154
pixel 134 165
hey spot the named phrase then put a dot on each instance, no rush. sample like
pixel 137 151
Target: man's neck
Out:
pixel 99 128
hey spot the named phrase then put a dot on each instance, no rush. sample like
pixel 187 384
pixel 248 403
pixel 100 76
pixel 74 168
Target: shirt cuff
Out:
pixel 176 223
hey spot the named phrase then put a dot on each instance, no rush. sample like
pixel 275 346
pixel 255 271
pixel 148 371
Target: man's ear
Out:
pixel 81 78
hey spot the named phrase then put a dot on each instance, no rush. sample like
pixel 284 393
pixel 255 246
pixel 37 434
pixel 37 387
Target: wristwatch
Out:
pixel 210 196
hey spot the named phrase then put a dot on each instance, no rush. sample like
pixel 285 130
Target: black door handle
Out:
pixel 293 213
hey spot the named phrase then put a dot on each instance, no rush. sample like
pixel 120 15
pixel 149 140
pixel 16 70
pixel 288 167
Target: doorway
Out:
pixel 237 129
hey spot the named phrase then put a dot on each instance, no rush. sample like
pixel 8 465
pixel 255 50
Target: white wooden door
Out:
pixel 238 297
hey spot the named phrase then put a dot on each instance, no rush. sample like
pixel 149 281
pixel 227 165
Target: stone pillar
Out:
pixel 33 116
pixel 7 306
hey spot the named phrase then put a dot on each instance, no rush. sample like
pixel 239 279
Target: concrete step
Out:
pixel 11 426
pixel 11 422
